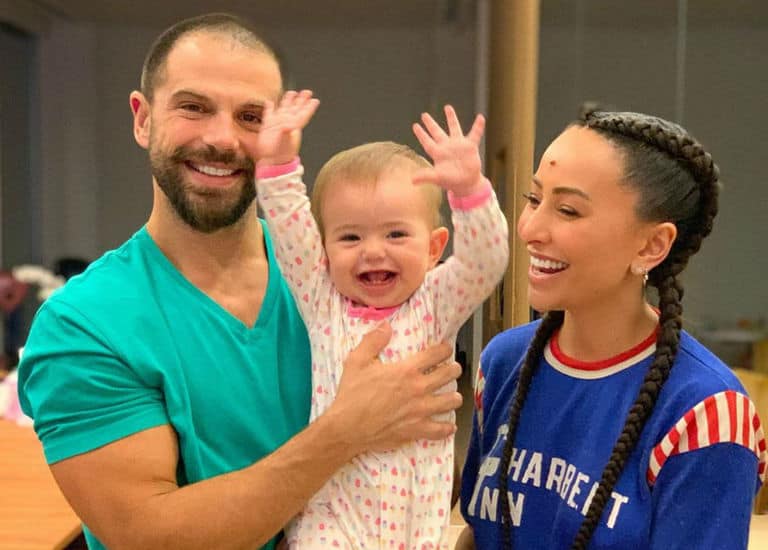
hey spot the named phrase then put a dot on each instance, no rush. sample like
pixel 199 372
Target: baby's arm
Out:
pixel 283 198
pixel 480 241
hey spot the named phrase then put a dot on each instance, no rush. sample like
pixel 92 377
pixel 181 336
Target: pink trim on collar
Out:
pixel 369 313
pixel 605 363
pixel 471 201
pixel 277 170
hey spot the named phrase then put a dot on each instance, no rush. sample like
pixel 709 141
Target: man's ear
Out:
pixel 141 119
pixel 437 241
pixel 659 240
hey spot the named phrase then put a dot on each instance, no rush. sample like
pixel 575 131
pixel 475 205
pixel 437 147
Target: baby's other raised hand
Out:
pixel 455 156
pixel 279 137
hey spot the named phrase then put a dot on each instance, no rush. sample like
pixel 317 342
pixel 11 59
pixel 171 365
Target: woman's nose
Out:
pixel 532 225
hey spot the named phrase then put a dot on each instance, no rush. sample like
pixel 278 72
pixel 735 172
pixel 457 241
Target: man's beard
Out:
pixel 209 209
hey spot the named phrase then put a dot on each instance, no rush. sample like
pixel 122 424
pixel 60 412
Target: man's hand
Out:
pixel 383 406
pixel 281 127
pixel 456 157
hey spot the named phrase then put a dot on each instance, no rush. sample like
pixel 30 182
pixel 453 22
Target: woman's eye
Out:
pixel 568 211
pixel 532 199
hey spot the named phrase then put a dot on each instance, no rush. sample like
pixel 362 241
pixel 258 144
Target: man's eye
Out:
pixel 192 107
pixel 251 118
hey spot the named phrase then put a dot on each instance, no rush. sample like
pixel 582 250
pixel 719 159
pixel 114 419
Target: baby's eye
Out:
pixel 532 199
pixel 349 237
pixel 397 234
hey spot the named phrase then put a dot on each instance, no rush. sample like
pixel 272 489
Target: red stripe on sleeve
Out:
pixel 713 422
pixel 745 423
pixel 674 438
pixel 730 398
pixel 692 430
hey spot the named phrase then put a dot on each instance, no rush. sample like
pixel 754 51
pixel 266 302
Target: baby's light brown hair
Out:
pixel 364 165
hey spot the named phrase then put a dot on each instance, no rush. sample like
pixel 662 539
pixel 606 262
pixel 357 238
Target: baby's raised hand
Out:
pixel 280 133
pixel 455 156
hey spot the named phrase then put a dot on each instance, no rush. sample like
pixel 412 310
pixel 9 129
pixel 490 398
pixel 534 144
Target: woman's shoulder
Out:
pixel 512 341
pixel 505 351
pixel 700 368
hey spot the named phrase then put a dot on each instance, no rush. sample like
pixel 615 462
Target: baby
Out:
pixel 367 251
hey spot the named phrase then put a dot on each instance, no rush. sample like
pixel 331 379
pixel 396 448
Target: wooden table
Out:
pixel 33 513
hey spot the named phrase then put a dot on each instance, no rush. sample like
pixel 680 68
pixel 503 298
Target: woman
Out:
pixel 609 426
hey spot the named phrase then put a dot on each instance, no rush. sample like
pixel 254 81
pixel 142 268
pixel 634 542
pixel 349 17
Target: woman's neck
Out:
pixel 595 334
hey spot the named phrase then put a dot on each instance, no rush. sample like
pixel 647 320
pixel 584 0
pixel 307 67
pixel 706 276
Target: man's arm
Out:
pixel 126 491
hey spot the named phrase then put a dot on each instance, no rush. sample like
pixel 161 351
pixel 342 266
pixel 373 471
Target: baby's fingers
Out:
pixel 307 112
pixel 425 139
pixel 454 126
pixel 433 127
pixel 478 128
pixel 424 175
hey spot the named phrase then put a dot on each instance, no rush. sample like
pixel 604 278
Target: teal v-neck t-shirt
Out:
pixel 131 344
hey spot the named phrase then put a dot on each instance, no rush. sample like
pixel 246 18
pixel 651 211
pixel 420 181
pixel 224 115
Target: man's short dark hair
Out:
pixel 223 23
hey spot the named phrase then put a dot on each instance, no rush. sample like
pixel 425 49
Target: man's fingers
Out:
pixel 429 357
pixel 441 403
pixel 441 375
pixel 370 346
pixel 434 430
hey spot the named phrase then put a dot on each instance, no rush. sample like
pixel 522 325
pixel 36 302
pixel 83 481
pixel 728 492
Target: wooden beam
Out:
pixel 510 143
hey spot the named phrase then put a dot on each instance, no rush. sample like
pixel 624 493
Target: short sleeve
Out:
pixel 79 391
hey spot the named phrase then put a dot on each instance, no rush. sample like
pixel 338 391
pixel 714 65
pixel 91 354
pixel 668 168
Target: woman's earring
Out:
pixel 640 270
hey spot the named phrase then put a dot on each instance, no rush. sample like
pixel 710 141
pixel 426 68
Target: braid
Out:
pixel 667 341
pixel 688 197
pixel 548 325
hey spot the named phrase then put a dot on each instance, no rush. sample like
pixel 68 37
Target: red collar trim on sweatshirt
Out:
pixel 640 351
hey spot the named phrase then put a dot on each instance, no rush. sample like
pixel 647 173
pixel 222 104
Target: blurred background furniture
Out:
pixel 33 513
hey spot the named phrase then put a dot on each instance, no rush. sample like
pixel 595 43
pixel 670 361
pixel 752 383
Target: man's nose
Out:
pixel 222 133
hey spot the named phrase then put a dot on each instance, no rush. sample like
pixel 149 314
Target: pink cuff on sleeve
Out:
pixel 277 170
pixel 471 201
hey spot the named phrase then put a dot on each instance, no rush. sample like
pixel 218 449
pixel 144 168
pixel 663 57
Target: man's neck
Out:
pixel 204 257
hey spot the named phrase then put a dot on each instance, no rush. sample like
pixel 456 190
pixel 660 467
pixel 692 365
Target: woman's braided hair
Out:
pixel 676 181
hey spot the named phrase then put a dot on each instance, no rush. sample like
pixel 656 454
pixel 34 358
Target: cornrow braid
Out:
pixel 694 222
pixel 549 324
